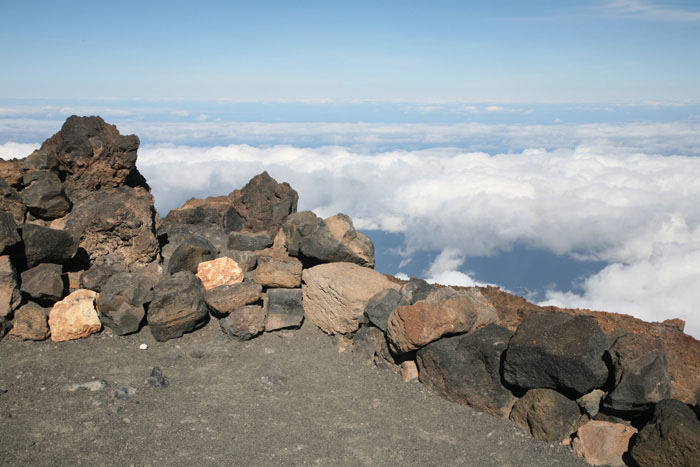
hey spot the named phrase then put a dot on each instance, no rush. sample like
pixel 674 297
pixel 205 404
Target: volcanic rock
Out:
pixel 177 307
pixel 244 323
pixel 547 414
pixel 10 296
pixel 45 245
pixel 190 253
pixel 557 351
pixel 603 443
pixel 8 231
pixel 11 201
pixel 415 290
pixel 121 304
pixel 226 298
pixel 277 271
pixel 45 196
pixel 590 403
pixel 467 369
pixel 246 260
pixel 264 204
pixel 247 241
pixel 336 240
pixel 284 309
pixel 74 317
pixel 31 323
pixel 413 326
pixel 336 294
pixel 380 307
pixel 219 271
pixel 97 276
pixel 44 282
pixel 296 227
pixel 367 342
pixel 671 438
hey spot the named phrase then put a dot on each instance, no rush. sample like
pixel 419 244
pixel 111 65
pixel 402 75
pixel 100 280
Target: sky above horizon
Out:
pixel 539 51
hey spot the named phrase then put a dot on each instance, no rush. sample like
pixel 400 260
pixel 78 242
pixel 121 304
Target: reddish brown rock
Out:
pixel 413 326
pixel 264 204
pixel 74 317
pixel 276 271
pixel 31 323
pixel 336 294
pixel 226 298
pixel 220 271
pixel 603 443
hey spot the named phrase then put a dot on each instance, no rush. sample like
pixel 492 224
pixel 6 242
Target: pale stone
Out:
pixel 219 271
pixel 278 272
pixel 409 370
pixel 74 317
pixel 603 443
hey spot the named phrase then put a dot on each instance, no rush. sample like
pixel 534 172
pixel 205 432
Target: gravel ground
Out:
pixel 284 399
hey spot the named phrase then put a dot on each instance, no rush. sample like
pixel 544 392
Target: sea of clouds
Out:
pixel 625 194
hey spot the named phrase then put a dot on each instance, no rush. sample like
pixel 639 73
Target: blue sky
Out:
pixel 596 51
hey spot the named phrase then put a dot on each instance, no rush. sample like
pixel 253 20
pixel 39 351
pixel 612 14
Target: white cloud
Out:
pixel 16 150
pixel 653 10
pixel 445 270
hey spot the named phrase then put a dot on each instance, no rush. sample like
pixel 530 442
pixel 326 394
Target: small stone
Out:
pixel 590 403
pixel 124 393
pixel 409 370
pixel 74 317
pixel 603 443
pixel 272 375
pixel 157 378
pixel 220 271
pixel 143 347
pixel 96 385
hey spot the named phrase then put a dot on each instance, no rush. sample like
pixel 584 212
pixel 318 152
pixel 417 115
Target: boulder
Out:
pixel 380 307
pixel 11 201
pixel 639 368
pixel 248 241
pixel 603 443
pixel 74 317
pixel 97 276
pixel 411 327
pixel 264 204
pixel 225 299
pixel 8 231
pixel 31 323
pixel 44 283
pixel 671 438
pixel 415 290
pixel 121 304
pixel 284 309
pixel 116 226
pixel 210 212
pixel 177 307
pixel 558 351
pixel 467 369
pixel 45 245
pixel 192 251
pixel 10 296
pixel 336 294
pixel 171 235
pixel 278 271
pixel 336 240
pixel 219 271
pixel 547 414
pixel 296 227
pixel 45 196
pixel 244 323
pixel 246 260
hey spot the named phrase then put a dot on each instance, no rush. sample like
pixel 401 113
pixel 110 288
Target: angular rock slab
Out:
pixel 557 351
pixel 640 370
pixel 223 300
pixel 178 306
pixel 336 294
pixel 219 271
pixel 43 282
pixel 247 241
pixel 336 240
pixel 10 297
pixel 45 196
pixel 603 443
pixel 74 317
pixel 244 323
pixel 31 323
pixel 547 414
pixel 45 245
pixel 284 309
pixel 411 327
pixel 466 369
pixel 278 272
pixel 671 438
pixel 192 251
pixel 121 304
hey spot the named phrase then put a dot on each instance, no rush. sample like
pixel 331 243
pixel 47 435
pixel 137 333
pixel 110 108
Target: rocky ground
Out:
pixel 284 399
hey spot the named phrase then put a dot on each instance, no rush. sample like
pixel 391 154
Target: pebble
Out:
pixel 93 386
pixel 157 378
pixel 143 347
pixel 124 393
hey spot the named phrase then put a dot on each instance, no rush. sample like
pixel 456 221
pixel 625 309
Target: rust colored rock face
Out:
pixel 220 271
pixel 30 323
pixel 603 443
pixel 411 327
pixel 264 204
pixel 336 294
pixel 74 317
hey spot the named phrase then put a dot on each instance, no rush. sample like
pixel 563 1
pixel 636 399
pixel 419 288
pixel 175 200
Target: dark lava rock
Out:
pixel 244 323
pixel 467 369
pixel 5 326
pixel 97 276
pixel 11 201
pixel 124 393
pixel 297 226
pixel 31 322
pixel 264 204
pixel 10 298
pixel 415 290
pixel 226 298
pixel 671 438
pixel 177 307
pixel 284 309
pixel 45 196
pixel 547 414
pixel 45 245
pixel 246 260
pixel 558 351
pixel 44 283
pixel 336 240
pixel 641 376
pixel 8 231
pixel 367 342
pixel 121 304
pixel 380 307
pixel 157 378
pixel 190 253
pixel 247 241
